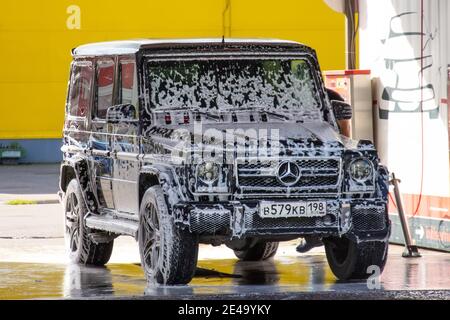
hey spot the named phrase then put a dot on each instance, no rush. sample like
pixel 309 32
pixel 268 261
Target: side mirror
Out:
pixel 121 113
pixel 342 110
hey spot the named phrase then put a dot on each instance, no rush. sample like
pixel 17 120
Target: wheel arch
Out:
pixel 147 179
pixel 164 176
pixel 78 168
pixel 67 173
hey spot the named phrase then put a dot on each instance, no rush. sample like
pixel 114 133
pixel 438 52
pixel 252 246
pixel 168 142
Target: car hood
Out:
pixel 308 138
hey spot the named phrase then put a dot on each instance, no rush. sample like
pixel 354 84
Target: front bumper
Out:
pixel 362 219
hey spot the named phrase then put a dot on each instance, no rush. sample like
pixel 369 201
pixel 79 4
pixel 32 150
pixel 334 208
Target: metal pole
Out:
pixel 349 11
pixel 411 250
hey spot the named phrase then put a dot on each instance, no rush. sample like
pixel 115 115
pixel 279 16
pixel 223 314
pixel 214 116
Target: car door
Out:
pixel 79 104
pixel 125 142
pixel 100 140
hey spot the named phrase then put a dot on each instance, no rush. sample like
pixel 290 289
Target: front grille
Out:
pixel 272 182
pixel 317 175
pixel 368 218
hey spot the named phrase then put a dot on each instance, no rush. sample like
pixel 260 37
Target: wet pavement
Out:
pixel 288 276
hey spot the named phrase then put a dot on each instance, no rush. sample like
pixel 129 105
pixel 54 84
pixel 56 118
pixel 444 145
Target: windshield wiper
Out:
pixel 206 114
pixel 217 118
pixel 270 113
pixel 277 115
pixel 196 112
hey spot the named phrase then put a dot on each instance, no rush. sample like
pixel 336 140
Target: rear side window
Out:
pixel 128 90
pixel 105 86
pixel 80 91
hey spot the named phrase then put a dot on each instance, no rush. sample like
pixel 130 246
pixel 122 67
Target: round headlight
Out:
pixel 361 170
pixel 208 172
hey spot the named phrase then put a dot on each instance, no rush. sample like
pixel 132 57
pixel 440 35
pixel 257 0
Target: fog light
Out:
pixel 329 219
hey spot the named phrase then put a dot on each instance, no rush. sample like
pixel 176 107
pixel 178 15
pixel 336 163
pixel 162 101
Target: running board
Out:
pixel 112 224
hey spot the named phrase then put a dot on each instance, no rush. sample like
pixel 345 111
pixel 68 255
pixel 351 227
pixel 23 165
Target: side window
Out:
pixel 128 89
pixel 105 85
pixel 80 91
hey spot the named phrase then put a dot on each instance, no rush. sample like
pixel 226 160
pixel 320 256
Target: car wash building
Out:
pixel 400 101
pixel 406 47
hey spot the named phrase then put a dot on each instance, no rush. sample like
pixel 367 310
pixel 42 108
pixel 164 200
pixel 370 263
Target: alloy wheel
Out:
pixel 151 240
pixel 72 222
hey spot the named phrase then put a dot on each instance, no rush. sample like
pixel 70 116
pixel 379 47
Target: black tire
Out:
pixel 258 252
pixel 168 253
pixel 80 247
pixel 349 260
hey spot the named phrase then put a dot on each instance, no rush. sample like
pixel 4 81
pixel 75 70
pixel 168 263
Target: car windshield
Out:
pixel 276 85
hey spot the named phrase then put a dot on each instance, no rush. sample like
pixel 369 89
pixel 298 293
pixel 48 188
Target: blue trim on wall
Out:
pixel 38 150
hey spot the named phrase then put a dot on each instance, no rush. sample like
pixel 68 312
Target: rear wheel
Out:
pixel 80 246
pixel 168 253
pixel 350 260
pixel 260 251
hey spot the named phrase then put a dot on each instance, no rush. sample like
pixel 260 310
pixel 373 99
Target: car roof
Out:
pixel 133 46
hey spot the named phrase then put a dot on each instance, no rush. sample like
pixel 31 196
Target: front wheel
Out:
pixel 168 253
pixel 82 249
pixel 350 260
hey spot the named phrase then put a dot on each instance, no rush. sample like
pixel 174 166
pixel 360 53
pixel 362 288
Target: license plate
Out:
pixel 292 209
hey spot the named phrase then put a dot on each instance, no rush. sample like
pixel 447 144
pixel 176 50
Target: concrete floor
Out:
pixel 33 263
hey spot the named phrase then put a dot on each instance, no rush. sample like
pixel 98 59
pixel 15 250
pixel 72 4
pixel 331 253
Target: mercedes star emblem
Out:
pixel 288 173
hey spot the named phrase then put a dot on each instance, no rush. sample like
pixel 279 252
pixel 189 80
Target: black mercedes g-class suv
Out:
pixel 215 141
